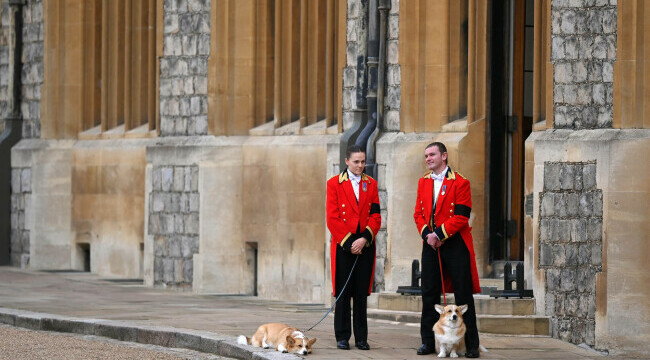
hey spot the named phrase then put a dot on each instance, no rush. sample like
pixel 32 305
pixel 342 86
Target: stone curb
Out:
pixel 203 341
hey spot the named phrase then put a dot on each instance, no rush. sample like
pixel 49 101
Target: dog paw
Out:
pixel 442 354
pixel 454 355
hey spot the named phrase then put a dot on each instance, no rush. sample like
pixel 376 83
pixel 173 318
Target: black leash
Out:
pixel 338 297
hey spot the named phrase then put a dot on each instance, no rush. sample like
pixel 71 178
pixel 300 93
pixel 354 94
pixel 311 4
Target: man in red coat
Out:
pixel 353 219
pixel 442 211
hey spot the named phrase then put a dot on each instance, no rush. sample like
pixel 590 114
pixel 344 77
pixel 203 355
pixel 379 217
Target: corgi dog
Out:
pixel 450 330
pixel 282 337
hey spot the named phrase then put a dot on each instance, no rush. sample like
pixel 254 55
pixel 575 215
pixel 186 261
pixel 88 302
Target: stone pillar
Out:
pixel 184 68
pixel 583 50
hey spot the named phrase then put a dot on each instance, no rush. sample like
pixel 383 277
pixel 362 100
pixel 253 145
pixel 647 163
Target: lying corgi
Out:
pixel 450 330
pixel 282 337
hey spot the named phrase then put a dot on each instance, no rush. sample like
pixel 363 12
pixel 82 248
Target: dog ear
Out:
pixel 440 309
pixel 290 340
pixel 463 308
pixel 311 342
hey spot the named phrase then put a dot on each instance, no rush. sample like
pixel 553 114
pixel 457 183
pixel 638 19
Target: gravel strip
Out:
pixel 17 343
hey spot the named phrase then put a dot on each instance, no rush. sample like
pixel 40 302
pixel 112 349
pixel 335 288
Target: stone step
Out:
pixel 492 324
pixel 485 305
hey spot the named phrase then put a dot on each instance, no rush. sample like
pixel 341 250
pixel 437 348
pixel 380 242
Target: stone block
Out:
pixel 558 254
pixel 159 246
pixel 605 117
pixel 175 202
pixel 563 73
pixel 15 180
pixel 545 255
pixel 608 72
pixel 547 204
pixel 179 179
pixel 597 201
pixel 572 203
pixel 178 270
pixel 393 27
pixel 572 48
pixel 167 173
pixel 568 23
pixel 158 269
pixel 567 279
pixel 578 230
pixel 594 230
pixel 549 304
pixel 195 179
pixel 559 205
pixel 25 241
pixel 194 201
pixel 189 246
pixel 589 177
pixel 184 107
pixel 600 47
pixel 154 224
pixel 184 203
pixel 179 223
pixel 192 223
pixel 571 251
pixel 586 204
pixel 394 97
pixel 156 178
pixel 188 271
pixel 115 331
pixel 392 120
pixel 596 254
pixel 567 176
pixel 168 270
pixel 584 254
pixel 393 52
pixel 572 304
pixel 557 48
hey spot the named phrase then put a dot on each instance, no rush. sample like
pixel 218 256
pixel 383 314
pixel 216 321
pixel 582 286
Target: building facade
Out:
pixel 187 142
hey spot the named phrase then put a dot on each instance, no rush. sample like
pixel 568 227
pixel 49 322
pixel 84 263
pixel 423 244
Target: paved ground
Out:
pixel 16 343
pixel 87 296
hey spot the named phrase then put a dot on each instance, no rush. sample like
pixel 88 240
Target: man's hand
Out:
pixel 358 245
pixel 433 240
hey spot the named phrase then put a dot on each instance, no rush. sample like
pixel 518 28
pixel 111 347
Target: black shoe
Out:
pixel 474 353
pixel 362 345
pixel 343 345
pixel 426 349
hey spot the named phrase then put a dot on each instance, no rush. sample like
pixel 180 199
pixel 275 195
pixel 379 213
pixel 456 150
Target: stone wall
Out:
pixel 583 50
pixel 570 241
pixel 32 75
pixel 354 72
pixel 4 62
pixel 174 223
pixel 21 188
pixel 393 91
pixel 184 68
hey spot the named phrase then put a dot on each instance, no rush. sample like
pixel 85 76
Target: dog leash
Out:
pixel 442 279
pixel 338 297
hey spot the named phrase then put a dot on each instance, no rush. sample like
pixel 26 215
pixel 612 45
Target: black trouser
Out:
pixel 456 262
pixel 357 288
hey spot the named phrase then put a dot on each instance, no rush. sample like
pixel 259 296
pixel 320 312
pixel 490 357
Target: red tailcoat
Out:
pixel 345 216
pixel 453 208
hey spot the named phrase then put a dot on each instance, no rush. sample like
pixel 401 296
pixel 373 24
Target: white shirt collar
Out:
pixel 441 176
pixel 356 178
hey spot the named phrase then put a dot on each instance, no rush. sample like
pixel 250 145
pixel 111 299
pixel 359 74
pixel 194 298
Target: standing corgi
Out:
pixel 282 337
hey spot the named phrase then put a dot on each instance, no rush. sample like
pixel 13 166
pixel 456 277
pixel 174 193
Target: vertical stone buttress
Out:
pixel 583 51
pixel 570 248
pixel 174 200
pixel 184 68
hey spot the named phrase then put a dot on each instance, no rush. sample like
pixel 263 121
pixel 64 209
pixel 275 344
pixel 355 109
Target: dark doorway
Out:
pixel 509 123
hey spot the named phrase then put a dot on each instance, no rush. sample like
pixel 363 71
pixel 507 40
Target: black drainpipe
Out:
pixel 13 128
pixel 377 19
